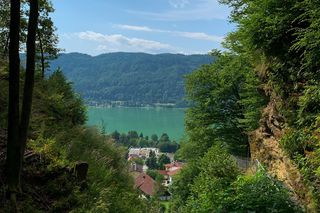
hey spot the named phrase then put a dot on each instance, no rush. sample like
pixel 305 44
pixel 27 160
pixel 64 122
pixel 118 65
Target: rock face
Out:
pixel 265 147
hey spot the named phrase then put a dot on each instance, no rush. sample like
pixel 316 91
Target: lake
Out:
pixel 141 119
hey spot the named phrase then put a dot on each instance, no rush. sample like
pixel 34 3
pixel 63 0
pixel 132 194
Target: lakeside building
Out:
pixel 171 170
pixel 143 153
pixel 145 184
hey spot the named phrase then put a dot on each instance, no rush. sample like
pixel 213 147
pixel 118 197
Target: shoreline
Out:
pixel 141 107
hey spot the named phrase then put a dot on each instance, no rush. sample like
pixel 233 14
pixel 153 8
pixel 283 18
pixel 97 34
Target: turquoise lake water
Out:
pixel 146 120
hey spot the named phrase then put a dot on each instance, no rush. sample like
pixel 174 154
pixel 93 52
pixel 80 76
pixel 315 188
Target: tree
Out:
pixel 215 91
pixel 154 137
pixel 4 26
pixel 47 40
pixel 30 72
pixel 164 138
pixel 167 146
pixel 13 145
pixel 151 161
pixel 46 36
pixel 143 143
pixel 116 136
pixel 133 135
pixel 163 159
pixel 17 128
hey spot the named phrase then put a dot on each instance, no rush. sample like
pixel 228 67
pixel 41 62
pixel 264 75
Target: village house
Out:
pixel 135 167
pixel 171 170
pixel 145 184
pixel 142 153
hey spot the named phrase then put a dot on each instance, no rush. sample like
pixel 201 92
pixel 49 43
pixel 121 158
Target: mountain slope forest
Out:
pixel 134 78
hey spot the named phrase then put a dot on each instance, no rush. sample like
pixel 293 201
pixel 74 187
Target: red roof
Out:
pixel 171 173
pixel 174 164
pixel 163 172
pixel 145 183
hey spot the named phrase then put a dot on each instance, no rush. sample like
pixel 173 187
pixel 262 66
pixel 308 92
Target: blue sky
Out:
pixel 152 26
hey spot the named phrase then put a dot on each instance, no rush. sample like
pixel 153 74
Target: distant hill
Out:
pixel 134 78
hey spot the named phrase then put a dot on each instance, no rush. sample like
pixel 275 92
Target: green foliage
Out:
pixel 162 160
pixel 267 28
pixel 308 36
pixel 57 106
pixel 297 141
pixel 132 139
pixel 4 26
pixel 222 108
pixel 219 187
pixel 226 104
pixel 194 185
pixel 260 193
pixel 60 139
pixel 151 161
pixel 52 151
pixel 284 40
pixel 139 161
pixel 309 104
pixel 154 137
pixel 218 163
pixel 109 184
pixel 136 78
pixel 164 138
pixel 155 175
pixel 303 147
pixel 253 101
pixel 181 187
pixel 170 147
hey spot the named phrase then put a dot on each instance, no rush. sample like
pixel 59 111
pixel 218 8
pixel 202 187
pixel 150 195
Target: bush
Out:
pixel 260 193
pixel 296 141
pixel 110 188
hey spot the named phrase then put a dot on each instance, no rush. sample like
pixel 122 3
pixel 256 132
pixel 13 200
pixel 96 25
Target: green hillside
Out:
pixel 136 78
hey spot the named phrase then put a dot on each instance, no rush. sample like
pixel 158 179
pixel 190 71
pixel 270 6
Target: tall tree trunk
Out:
pixel 5 50
pixel 13 144
pixel 42 55
pixel 30 70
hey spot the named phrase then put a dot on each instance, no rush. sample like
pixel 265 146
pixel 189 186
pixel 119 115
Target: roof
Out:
pixel 142 151
pixel 174 172
pixel 145 183
pixel 174 164
pixel 163 172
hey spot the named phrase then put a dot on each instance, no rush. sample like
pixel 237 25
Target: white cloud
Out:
pixel 179 3
pixel 200 36
pixel 136 28
pixel 191 35
pixel 118 42
pixel 140 28
pixel 194 10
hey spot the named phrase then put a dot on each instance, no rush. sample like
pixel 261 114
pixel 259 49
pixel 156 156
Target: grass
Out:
pixel 166 204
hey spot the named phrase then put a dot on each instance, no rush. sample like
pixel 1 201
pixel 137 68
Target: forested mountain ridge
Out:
pixel 135 78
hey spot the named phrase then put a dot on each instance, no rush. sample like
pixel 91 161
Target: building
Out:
pixel 135 167
pixel 142 152
pixel 171 170
pixel 145 184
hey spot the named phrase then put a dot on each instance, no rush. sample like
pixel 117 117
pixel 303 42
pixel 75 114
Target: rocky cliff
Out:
pixel 265 147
